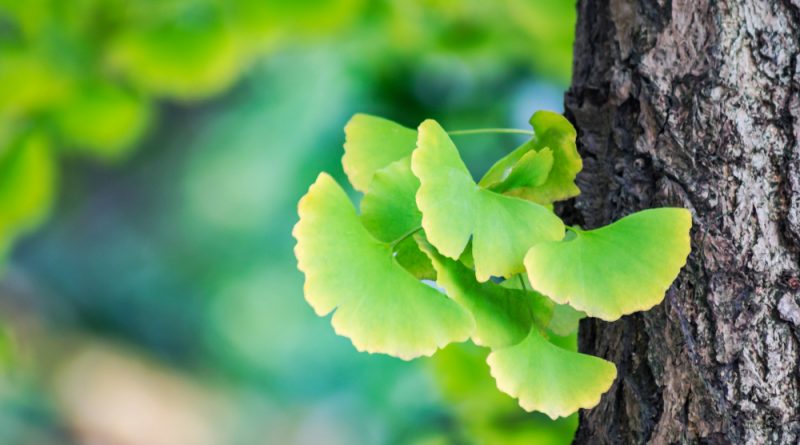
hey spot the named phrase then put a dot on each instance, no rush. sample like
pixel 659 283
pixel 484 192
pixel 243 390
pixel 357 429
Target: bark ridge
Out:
pixel 696 103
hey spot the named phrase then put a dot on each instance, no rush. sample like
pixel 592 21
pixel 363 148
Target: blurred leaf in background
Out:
pixel 27 185
pixel 485 415
pixel 178 136
pixel 118 118
pixel 179 49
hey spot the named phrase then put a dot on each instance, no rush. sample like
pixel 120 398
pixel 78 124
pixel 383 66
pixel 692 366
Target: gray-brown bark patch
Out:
pixel 696 103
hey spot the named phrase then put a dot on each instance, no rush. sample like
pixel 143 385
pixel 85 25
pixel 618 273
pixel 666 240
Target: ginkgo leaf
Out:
pixel 615 270
pixel 389 208
pixel 501 169
pixel 378 304
pixel 531 170
pixel 462 376
pixel 503 316
pixel 552 131
pixel 454 208
pixel 407 253
pixel 372 143
pixel 549 379
pixel 565 319
pixel 389 211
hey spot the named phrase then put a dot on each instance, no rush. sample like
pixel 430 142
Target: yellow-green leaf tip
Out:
pixel 615 270
pixel 372 143
pixel 454 209
pixel 378 305
pixel 546 378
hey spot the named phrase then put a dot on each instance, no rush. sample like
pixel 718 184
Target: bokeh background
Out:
pixel 151 156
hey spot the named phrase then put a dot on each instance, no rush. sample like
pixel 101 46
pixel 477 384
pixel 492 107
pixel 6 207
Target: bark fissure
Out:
pixel 695 103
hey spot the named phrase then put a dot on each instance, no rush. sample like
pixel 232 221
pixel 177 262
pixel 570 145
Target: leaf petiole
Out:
pixel 404 237
pixel 490 131
pixel 522 283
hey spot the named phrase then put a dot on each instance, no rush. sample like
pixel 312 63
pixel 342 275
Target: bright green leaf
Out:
pixel 615 270
pixel 447 195
pixel 408 254
pixel 372 143
pixel 552 131
pixel 565 319
pixel 463 377
pixel 378 305
pixel 389 212
pixel 454 209
pixel 547 378
pixel 530 171
pixel 503 316
pixel 389 208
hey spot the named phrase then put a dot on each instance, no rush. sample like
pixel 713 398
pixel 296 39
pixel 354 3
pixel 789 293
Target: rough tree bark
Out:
pixel 696 103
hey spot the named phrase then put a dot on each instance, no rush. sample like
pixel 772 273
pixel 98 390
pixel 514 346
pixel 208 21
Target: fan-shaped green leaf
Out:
pixel 454 208
pixel 501 169
pixel 463 377
pixel 565 319
pixel 389 212
pixel 389 208
pixel 447 195
pixel 615 270
pixel 503 316
pixel 552 131
pixel 504 230
pixel 547 378
pixel 378 304
pixel 372 143
pixel 531 170
pixel 408 254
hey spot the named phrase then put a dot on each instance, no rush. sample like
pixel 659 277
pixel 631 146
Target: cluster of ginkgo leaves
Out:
pixel 435 257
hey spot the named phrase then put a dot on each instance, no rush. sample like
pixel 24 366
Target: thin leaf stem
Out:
pixel 522 283
pixel 490 131
pixel 404 237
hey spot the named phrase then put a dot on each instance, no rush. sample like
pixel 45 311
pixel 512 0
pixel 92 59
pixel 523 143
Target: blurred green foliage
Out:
pixel 86 74
pixel 27 177
pixel 487 415
pixel 182 254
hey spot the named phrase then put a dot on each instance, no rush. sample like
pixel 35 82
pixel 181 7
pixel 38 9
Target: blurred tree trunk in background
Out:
pixel 696 103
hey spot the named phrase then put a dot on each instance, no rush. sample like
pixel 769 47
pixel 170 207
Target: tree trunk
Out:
pixel 696 103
